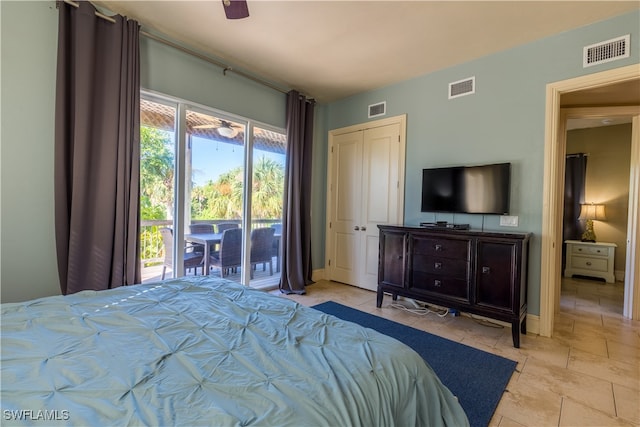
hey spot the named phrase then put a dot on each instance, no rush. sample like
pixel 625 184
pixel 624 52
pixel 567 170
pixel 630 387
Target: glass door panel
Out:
pixel 157 174
pixel 214 193
pixel 267 190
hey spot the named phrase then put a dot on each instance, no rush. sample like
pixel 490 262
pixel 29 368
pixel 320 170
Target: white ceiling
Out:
pixel 333 49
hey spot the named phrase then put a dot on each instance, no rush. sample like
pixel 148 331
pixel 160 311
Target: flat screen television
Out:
pixel 483 189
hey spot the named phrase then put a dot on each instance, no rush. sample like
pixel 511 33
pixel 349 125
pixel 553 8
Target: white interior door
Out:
pixel 346 204
pixel 366 188
pixel 380 188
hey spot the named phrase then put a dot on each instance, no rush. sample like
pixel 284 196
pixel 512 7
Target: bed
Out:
pixel 207 351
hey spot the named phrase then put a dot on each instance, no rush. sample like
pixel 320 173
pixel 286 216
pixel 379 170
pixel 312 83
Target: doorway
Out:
pixel 600 91
pixel 212 188
pixel 596 177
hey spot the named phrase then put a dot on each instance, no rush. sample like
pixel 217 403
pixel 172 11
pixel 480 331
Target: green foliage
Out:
pixel 151 245
pixel 156 173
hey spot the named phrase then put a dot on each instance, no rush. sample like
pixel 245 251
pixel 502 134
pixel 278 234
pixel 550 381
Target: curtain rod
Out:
pixel 98 14
pixel 225 68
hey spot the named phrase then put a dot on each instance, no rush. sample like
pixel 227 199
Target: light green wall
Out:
pixel 172 72
pixel 29 42
pixel 503 122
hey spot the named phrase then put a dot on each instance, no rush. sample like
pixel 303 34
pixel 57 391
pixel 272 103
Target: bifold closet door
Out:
pixel 365 192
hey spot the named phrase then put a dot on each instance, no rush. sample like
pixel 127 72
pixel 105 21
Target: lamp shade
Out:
pixel 592 211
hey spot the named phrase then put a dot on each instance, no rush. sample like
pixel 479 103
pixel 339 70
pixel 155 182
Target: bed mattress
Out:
pixel 207 351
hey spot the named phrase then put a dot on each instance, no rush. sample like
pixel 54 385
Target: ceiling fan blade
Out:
pixel 235 9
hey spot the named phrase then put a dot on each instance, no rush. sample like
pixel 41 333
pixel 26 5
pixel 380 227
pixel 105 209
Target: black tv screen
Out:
pixel 481 189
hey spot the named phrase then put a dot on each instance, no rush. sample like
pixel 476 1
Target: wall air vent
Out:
pixel 462 87
pixel 377 110
pixel 607 51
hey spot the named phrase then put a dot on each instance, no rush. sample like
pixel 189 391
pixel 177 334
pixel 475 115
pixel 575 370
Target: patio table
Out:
pixel 207 240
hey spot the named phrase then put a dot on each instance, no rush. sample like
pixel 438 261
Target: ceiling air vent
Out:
pixel 377 110
pixel 462 87
pixel 607 51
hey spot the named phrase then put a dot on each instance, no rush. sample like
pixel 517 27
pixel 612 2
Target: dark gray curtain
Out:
pixel 574 182
pixel 97 145
pixel 296 217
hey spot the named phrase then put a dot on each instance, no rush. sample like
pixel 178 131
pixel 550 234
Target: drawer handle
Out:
pixel 589 263
pixel 438 247
pixel 437 283
pixel 438 265
pixel 598 250
pixel 579 249
pixel 486 270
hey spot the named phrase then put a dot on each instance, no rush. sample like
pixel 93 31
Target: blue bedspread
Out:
pixel 206 351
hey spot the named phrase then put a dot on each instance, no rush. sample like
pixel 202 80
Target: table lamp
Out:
pixel 591 212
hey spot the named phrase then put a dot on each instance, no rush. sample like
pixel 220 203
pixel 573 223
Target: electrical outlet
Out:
pixel 509 221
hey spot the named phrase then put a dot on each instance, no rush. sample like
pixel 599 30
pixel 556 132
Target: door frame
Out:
pixel 401 120
pixel 553 195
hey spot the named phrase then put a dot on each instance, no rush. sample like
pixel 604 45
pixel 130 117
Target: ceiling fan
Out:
pixel 224 128
pixel 235 9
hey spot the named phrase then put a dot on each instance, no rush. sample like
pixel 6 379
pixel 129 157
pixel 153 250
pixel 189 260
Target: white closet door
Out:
pixel 365 189
pixel 380 188
pixel 346 206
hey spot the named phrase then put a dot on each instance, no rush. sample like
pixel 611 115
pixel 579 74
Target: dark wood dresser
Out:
pixel 483 273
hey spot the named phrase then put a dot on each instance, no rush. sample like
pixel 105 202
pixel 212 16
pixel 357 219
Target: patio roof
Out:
pixel 162 117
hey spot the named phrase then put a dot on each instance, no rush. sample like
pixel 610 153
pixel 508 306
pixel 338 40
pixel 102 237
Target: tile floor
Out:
pixel 586 375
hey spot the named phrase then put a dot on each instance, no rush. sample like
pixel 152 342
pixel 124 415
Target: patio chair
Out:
pixel 200 229
pixel 262 248
pixel 276 243
pixel 226 226
pixel 191 259
pixel 230 253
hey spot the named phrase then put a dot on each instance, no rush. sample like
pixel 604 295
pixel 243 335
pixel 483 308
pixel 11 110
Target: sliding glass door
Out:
pixel 227 172
pixel 157 195
pixel 267 190
pixel 215 194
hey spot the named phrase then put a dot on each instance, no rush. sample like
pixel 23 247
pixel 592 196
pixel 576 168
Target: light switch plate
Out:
pixel 509 221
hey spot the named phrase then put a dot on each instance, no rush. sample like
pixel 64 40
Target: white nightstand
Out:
pixel 590 259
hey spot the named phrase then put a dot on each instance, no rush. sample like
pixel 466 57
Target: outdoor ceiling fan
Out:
pixel 235 9
pixel 224 128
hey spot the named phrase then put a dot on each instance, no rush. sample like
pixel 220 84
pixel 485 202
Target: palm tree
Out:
pixel 267 191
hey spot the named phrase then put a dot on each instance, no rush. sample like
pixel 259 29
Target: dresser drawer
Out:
pixel 590 263
pixel 443 248
pixel 442 285
pixel 453 267
pixel 590 250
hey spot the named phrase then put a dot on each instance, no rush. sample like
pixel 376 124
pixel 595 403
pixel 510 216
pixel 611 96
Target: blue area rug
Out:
pixel 476 377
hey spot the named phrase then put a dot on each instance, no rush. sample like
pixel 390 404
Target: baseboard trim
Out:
pixel 533 324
